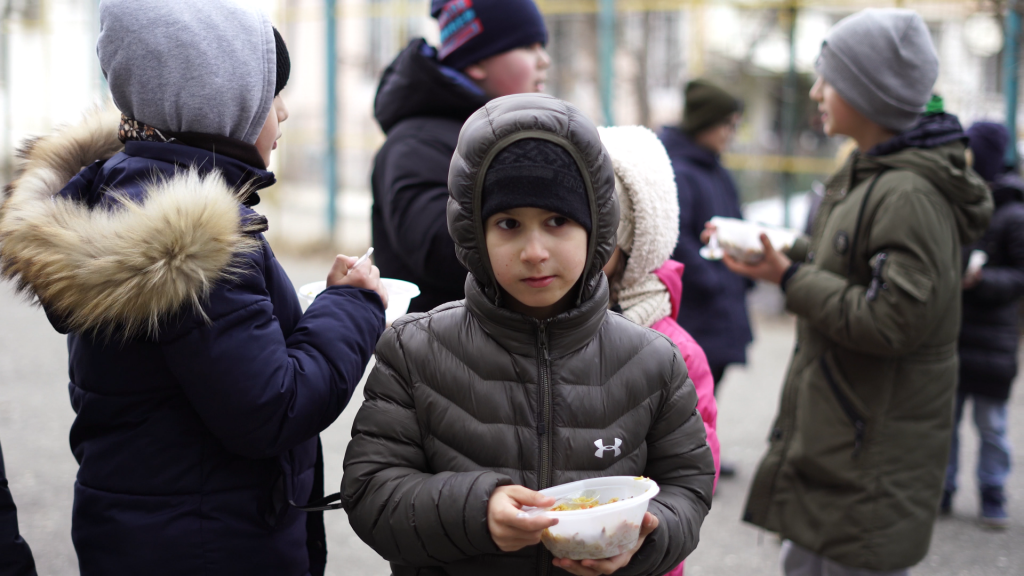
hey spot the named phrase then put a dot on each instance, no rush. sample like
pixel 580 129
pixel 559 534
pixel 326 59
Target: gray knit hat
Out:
pixel 882 61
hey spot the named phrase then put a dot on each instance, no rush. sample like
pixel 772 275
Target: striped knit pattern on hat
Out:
pixel 649 221
pixel 474 30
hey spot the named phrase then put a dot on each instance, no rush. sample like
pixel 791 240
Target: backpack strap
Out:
pixel 332 502
pixel 860 219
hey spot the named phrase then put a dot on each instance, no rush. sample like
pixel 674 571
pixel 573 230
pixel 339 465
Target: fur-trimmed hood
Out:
pixel 117 255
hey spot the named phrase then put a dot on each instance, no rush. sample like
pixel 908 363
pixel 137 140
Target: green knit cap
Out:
pixel 706 106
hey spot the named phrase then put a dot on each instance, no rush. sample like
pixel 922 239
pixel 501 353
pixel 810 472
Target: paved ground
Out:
pixel 35 417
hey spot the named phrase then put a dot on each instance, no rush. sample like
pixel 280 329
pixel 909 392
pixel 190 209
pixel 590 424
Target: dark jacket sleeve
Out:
pixel 680 461
pixel 908 229
pixel 394 503
pixel 15 556
pixel 702 276
pixel 258 392
pixel 413 198
pixel 1004 283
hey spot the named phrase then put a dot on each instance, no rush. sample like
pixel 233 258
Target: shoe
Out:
pixel 946 506
pixel 726 469
pixel 993 508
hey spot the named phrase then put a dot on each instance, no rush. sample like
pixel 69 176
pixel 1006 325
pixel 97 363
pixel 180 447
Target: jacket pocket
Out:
pixel 854 412
pixel 917 283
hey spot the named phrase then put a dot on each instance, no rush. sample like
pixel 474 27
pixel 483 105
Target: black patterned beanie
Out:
pixel 535 173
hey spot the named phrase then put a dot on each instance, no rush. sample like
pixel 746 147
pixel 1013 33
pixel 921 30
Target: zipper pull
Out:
pixel 544 341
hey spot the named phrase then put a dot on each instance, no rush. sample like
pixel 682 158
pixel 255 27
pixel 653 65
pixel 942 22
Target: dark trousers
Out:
pixel 717 373
pixel 15 556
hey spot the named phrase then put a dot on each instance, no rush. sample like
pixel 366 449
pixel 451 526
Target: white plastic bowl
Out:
pixel 400 295
pixel 601 532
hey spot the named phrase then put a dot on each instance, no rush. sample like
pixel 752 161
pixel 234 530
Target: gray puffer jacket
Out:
pixel 472 396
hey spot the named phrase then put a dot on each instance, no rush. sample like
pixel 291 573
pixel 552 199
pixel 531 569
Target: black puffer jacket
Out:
pixel 472 396
pixel 421 106
pixel 991 333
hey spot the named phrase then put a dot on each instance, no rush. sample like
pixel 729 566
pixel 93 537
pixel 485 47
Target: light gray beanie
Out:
pixel 207 66
pixel 882 61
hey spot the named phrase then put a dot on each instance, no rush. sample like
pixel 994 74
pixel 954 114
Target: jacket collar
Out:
pixel 519 334
pixel 237 174
pixel 679 144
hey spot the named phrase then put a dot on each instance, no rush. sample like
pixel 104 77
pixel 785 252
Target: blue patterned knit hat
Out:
pixel 474 30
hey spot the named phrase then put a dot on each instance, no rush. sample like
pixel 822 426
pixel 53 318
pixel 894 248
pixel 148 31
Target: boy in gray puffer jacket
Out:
pixel 475 405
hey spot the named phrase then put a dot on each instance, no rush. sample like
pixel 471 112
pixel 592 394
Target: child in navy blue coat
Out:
pixel 199 385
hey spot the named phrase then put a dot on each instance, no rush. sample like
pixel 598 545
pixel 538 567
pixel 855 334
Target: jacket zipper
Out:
pixel 544 430
pixel 859 424
pixel 545 425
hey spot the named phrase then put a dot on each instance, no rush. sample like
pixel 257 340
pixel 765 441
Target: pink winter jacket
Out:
pixel 671 274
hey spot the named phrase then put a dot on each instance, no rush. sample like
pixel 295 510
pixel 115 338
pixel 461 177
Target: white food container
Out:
pixel 400 295
pixel 604 531
pixel 742 240
pixel 976 262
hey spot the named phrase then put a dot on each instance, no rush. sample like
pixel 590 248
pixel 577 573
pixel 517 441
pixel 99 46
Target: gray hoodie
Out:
pixel 206 66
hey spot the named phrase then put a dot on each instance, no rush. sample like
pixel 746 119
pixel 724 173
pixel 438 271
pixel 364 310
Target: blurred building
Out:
pixel 49 75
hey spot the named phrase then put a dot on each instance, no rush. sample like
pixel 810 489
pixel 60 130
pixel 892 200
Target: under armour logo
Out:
pixel 601 448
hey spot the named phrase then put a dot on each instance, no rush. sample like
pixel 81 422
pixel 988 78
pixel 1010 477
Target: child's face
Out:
pixel 537 257
pixel 718 138
pixel 267 140
pixel 519 71
pixel 837 116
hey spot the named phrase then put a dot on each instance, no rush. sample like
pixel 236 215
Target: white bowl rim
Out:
pixel 403 288
pixel 652 490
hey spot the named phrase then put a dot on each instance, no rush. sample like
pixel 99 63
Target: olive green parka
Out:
pixel 854 471
pixel 472 396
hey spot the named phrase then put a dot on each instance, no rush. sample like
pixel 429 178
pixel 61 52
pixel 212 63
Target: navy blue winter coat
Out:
pixel 421 106
pixel 990 333
pixel 199 385
pixel 15 555
pixel 714 306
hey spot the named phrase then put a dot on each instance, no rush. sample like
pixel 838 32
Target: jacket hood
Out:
pixel 1007 188
pixel 645 177
pixel 117 271
pixel 416 84
pixel 944 167
pixel 202 66
pixel 489 131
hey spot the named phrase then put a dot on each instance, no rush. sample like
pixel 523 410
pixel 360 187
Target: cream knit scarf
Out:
pixel 646 302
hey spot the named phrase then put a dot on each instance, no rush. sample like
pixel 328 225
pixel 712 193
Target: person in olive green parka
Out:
pixel 854 471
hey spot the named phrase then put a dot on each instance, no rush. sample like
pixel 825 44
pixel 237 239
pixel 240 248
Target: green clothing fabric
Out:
pixel 854 470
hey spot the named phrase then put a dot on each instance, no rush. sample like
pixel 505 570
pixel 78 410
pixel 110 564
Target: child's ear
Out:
pixel 476 72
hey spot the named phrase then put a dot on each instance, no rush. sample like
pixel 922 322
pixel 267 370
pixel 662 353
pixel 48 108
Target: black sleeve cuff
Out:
pixel 789 273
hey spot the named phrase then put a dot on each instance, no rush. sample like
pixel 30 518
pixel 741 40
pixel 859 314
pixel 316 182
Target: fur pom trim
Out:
pixel 116 272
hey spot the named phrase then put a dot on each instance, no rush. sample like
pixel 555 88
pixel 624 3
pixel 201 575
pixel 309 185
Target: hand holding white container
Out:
pixel 742 240
pixel 608 528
